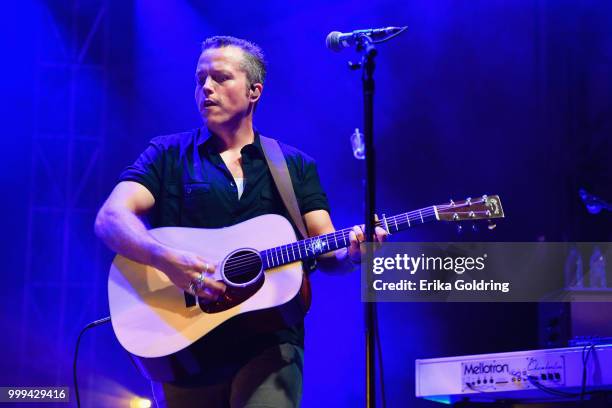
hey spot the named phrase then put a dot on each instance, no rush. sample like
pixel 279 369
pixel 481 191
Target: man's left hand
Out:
pixel 357 236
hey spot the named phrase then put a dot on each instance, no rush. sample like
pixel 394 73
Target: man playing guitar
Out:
pixel 215 177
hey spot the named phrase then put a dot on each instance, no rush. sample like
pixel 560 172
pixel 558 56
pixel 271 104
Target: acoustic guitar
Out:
pixel 260 262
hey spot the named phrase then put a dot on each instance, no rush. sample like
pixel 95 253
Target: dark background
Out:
pixel 498 97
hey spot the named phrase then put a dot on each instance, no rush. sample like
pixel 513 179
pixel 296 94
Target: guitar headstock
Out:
pixel 481 208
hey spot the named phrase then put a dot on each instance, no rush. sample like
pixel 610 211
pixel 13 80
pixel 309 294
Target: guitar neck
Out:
pixel 315 246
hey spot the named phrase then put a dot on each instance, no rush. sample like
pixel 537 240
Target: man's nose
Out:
pixel 207 86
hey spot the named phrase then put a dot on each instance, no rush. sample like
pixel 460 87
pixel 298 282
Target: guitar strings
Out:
pixel 238 264
pixel 284 249
pixel 342 233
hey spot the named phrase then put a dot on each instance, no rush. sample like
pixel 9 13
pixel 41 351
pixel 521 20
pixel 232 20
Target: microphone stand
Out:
pixel 366 46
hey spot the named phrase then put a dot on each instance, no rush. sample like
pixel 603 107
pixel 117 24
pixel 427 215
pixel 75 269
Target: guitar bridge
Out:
pixel 190 299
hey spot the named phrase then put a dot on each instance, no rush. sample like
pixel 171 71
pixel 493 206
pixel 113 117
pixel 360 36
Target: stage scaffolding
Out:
pixel 63 283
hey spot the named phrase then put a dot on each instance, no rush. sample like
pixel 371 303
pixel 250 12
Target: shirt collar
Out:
pixel 205 140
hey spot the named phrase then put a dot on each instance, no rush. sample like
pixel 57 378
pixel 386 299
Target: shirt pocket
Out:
pixel 196 197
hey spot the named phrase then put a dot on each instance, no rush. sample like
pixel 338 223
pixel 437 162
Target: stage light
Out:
pixel 138 402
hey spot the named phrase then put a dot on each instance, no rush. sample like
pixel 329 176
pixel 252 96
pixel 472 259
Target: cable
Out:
pixel 585 360
pixel 76 353
pixel 583 392
pixel 558 393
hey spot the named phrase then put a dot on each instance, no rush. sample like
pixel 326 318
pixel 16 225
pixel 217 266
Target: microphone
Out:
pixel 337 41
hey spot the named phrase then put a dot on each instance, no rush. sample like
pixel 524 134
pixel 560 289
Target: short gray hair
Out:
pixel 253 63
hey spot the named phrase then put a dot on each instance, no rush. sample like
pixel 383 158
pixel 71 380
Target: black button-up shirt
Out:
pixel 193 187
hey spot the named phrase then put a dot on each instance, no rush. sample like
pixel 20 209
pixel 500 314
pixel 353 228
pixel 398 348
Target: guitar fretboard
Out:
pixel 315 246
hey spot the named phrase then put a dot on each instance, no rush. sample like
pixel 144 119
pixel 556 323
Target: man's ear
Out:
pixel 255 92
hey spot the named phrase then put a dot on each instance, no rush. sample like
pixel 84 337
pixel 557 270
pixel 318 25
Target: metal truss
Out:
pixel 61 282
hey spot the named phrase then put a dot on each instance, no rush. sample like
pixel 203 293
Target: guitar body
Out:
pixel 159 325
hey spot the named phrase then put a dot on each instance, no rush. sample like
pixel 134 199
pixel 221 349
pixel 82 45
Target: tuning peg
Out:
pixel 491 225
pixel 475 227
pixel 459 228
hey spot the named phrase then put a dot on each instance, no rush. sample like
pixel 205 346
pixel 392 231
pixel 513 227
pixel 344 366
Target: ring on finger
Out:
pixel 192 287
pixel 200 281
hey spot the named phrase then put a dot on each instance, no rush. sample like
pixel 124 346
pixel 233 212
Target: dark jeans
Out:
pixel 272 378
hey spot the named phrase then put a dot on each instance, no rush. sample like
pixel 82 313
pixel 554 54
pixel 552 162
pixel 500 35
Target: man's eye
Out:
pixel 216 78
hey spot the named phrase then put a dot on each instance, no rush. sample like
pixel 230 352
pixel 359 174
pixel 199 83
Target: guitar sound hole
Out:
pixel 242 267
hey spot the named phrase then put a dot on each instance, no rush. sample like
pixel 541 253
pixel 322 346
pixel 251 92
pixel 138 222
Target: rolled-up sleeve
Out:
pixel 309 192
pixel 148 168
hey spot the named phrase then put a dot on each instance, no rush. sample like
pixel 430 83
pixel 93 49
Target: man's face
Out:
pixel 222 90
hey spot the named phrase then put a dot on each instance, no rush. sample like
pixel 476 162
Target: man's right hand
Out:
pixel 184 267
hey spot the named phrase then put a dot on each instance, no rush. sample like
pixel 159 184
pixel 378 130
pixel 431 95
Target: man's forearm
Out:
pixel 123 232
